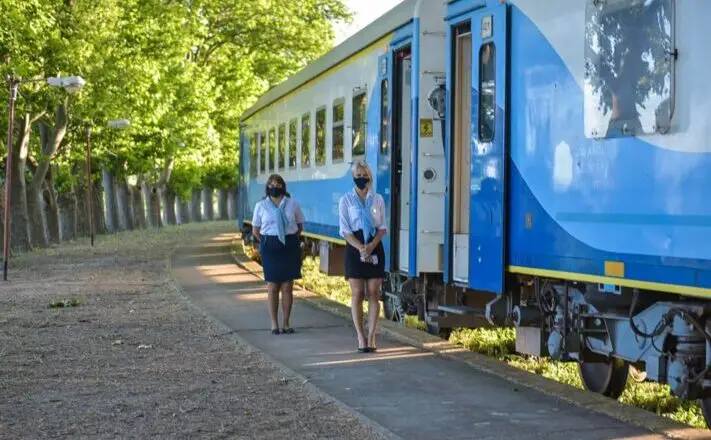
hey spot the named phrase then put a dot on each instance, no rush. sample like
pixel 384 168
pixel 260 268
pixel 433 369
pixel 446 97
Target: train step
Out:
pixel 461 310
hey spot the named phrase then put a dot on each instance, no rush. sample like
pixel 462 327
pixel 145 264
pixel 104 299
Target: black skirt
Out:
pixel 359 270
pixel 281 263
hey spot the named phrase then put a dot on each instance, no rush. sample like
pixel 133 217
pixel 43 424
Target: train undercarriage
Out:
pixel 613 333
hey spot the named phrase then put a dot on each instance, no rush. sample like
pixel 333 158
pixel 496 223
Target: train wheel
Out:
pixel 607 378
pixel 706 410
pixel 392 309
pixel 434 329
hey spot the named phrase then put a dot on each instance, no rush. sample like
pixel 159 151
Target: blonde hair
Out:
pixel 362 165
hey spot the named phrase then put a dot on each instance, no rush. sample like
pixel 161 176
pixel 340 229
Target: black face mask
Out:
pixel 275 191
pixel 361 182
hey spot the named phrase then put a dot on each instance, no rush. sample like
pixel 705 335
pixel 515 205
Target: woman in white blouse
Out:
pixel 277 224
pixel 362 223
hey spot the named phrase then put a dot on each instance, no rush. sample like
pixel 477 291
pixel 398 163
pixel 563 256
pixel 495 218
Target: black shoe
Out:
pixel 276 331
pixel 288 331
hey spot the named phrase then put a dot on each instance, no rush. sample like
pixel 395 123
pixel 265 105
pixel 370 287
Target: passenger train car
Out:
pixel 545 165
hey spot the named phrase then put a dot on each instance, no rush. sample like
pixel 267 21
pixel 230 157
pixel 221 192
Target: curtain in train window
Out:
pixel 292 143
pixel 384 117
pixel 321 136
pixel 263 152
pixel 339 109
pixel 282 146
pixel 306 140
pixel 272 150
pixel 253 155
pixel 487 92
pixel 629 65
pixel 358 124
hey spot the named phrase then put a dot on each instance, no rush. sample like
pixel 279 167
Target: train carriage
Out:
pixel 545 166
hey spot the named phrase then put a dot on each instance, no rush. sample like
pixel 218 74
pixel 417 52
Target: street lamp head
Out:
pixel 71 84
pixel 121 123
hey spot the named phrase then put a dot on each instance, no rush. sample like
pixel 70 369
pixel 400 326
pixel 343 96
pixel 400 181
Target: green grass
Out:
pixel 500 343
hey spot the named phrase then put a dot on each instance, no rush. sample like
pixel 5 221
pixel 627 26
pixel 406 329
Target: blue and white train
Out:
pixel 546 164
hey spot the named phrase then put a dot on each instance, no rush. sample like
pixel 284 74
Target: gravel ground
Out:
pixel 133 359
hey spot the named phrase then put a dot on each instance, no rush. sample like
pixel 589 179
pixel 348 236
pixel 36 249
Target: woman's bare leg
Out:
pixel 357 292
pixel 373 309
pixel 273 300
pixel 287 300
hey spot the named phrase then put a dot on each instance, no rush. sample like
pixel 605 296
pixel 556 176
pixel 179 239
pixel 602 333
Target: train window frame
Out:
pixel 359 123
pixel 306 140
pixel 620 91
pixel 338 129
pixel 384 117
pixel 263 152
pixel 253 155
pixel 291 142
pixel 320 141
pixel 281 147
pixel 484 106
pixel 271 144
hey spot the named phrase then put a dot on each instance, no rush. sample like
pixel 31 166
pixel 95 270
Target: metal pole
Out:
pixel 14 84
pixel 89 185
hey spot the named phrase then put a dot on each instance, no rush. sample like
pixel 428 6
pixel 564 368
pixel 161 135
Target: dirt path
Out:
pixel 133 359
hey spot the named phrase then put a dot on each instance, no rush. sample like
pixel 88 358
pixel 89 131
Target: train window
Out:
pixel 272 150
pixel 262 152
pixel 306 140
pixel 339 110
pixel 253 155
pixel 384 117
pixel 292 143
pixel 629 67
pixel 487 92
pixel 321 136
pixel 358 130
pixel 282 146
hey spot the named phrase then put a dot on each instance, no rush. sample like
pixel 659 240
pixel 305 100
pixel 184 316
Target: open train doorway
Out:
pixel 401 166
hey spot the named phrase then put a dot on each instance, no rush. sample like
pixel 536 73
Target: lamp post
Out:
pixel 71 84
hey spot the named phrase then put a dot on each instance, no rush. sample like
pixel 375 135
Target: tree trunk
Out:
pixel 122 204
pixel 222 204
pixel 51 210
pixel 154 207
pixel 183 211
pixel 19 223
pixel 233 204
pixel 99 217
pixel 139 212
pixel 168 196
pixel 146 195
pixel 112 221
pixel 2 218
pixel 36 217
pixel 195 215
pixel 82 210
pixel 67 205
pixel 208 204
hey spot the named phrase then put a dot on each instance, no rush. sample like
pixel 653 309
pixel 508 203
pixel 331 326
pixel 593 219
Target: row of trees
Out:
pixel 182 71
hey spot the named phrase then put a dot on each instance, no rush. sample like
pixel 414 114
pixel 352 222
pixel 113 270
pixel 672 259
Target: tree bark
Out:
pixel 122 204
pixel 2 218
pixel 19 222
pixel 99 216
pixel 146 195
pixel 168 196
pixel 82 210
pixel 207 204
pixel 195 214
pixel 233 207
pixel 112 221
pixel 67 204
pixel 139 212
pixel 222 213
pixel 183 211
pixel 154 207
pixel 51 210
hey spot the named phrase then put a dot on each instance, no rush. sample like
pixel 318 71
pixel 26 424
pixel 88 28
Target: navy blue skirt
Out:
pixel 359 270
pixel 281 263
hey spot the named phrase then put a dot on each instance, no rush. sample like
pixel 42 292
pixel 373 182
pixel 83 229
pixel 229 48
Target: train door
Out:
pixel 401 148
pixel 488 150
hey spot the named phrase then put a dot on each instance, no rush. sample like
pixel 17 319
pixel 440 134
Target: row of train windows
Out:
pixel 259 142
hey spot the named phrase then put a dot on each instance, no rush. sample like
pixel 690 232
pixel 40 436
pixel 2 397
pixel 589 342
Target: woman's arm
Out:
pixel 300 220
pixel 344 227
pixel 380 223
pixel 257 221
pixel 255 232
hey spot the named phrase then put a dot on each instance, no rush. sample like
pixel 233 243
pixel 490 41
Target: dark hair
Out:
pixel 276 179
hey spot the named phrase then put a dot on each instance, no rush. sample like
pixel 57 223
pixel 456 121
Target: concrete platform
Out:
pixel 411 392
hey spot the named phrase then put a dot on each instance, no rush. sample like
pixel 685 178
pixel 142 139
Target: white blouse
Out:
pixel 265 219
pixel 349 212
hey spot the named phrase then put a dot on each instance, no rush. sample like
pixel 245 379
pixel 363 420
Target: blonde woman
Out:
pixel 362 224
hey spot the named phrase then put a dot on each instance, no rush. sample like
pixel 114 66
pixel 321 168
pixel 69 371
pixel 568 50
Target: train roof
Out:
pixel 398 16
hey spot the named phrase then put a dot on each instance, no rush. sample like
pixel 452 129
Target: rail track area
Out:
pixel 407 392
